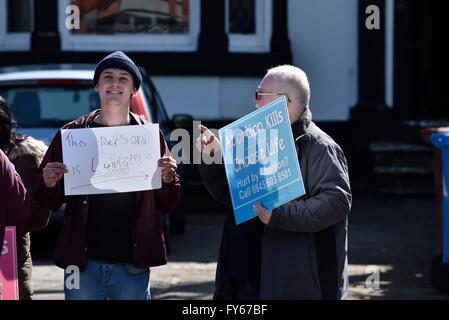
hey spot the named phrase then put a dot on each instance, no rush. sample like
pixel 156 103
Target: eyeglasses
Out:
pixel 258 93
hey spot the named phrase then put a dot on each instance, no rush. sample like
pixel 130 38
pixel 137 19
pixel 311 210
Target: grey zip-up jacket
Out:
pixel 304 247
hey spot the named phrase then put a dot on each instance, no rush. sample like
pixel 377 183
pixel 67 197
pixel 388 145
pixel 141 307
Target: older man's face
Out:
pixel 269 93
pixel 265 88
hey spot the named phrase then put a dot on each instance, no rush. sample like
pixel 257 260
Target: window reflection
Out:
pixel 133 16
pixel 19 15
pixel 242 16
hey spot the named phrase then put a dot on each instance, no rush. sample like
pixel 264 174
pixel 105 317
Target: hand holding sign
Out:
pixel 168 168
pixel 53 172
pixel 263 214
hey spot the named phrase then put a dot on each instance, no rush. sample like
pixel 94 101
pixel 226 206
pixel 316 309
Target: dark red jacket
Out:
pixel 147 235
pixel 14 201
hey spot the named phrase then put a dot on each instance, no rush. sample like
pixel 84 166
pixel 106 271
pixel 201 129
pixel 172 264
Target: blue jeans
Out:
pixel 101 281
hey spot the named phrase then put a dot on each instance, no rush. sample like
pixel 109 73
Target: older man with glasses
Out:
pixel 259 93
pixel 297 250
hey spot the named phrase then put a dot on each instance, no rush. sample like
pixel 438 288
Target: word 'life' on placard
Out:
pixel 111 159
pixel 260 160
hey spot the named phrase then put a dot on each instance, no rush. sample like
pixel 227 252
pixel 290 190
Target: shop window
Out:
pixel 16 24
pixel 249 24
pixel 137 25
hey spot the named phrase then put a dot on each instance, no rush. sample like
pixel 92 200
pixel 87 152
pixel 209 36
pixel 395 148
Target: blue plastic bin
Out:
pixel 441 141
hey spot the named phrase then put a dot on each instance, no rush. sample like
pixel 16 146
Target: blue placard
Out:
pixel 260 160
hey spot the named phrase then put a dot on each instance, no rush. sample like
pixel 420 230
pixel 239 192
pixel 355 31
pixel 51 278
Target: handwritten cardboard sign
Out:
pixel 260 159
pixel 9 285
pixel 111 159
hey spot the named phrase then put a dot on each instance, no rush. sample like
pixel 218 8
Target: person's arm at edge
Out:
pixel 16 198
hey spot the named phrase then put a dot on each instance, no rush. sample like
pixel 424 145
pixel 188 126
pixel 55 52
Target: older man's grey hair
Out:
pixel 292 81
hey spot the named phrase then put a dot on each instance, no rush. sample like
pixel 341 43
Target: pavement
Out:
pixel 391 241
pixel 189 274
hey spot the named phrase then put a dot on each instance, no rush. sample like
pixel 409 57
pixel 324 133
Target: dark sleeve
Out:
pixel 28 168
pixel 215 181
pixel 15 197
pixel 329 199
pixel 169 195
pixel 51 198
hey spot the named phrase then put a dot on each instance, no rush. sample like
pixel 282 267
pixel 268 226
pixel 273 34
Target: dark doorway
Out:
pixel 421 60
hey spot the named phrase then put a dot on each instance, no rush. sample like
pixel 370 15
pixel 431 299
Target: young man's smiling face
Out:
pixel 115 87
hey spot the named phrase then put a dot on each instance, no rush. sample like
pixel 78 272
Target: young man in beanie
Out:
pixel 112 238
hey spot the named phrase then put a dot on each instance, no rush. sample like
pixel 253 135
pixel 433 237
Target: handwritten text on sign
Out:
pixel 111 159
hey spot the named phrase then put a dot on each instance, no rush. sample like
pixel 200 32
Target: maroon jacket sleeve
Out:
pixel 170 193
pixel 51 198
pixel 14 201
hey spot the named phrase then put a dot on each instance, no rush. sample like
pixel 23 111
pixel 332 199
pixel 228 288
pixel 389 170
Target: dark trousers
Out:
pixel 237 289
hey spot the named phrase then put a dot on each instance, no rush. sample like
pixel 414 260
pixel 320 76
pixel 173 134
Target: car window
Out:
pixel 45 106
